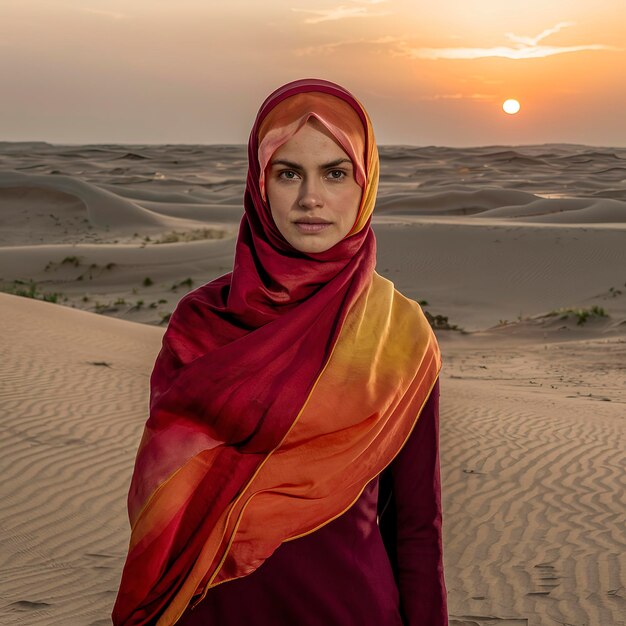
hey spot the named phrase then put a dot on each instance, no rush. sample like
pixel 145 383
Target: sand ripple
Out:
pixel 70 429
pixel 533 479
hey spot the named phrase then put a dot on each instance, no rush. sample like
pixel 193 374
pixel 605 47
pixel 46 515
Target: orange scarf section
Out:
pixel 358 416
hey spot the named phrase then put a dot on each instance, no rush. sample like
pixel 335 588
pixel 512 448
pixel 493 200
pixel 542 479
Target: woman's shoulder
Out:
pixel 403 310
pixel 384 285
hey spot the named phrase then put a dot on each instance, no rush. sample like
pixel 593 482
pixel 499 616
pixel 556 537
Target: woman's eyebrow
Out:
pixel 297 166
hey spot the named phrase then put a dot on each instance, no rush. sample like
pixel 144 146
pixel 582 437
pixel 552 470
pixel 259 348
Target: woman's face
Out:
pixel 310 185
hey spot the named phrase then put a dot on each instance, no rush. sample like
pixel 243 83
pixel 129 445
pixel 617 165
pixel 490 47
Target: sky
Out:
pixel 428 73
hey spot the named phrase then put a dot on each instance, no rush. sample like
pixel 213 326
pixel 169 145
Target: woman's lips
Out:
pixel 309 227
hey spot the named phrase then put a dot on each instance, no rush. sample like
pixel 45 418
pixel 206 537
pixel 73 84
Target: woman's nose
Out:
pixel 310 195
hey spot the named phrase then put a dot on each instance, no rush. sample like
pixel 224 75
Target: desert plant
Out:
pixel 188 282
pixel 31 290
pixel 105 307
pixel 440 322
pixel 192 235
pixel 581 314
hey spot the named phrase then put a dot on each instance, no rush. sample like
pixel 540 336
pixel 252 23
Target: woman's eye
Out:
pixel 336 174
pixel 287 175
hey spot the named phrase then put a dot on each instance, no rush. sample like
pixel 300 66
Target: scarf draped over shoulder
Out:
pixel 281 388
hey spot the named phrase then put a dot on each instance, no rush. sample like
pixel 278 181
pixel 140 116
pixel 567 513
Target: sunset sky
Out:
pixel 429 73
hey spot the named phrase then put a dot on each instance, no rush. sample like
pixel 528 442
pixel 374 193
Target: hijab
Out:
pixel 281 389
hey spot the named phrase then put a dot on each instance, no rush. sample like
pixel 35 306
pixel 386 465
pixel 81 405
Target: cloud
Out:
pixel 533 41
pixel 458 96
pixel 525 48
pixel 110 14
pixel 536 52
pixel 327 48
pixel 342 12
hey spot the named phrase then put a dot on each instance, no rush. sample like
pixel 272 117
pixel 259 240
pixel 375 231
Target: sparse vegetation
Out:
pixel 31 290
pixel 191 235
pixel 73 260
pixel 188 282
pixel 147 281
pixel 441 322
pixel 581 314
pixel 105 307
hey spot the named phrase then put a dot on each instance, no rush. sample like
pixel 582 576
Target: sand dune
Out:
pixel 521 248
pixel 35 206
pixel 532 461
pixel 73 402
pixel 530 452
pixel 477 275
pixel 517 206
pixel 480 274
pixel 565 211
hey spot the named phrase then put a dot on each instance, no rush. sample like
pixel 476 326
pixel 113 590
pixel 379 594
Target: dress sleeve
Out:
pixel 410 520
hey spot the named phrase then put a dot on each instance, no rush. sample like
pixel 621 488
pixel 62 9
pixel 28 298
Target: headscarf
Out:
pixel 281 388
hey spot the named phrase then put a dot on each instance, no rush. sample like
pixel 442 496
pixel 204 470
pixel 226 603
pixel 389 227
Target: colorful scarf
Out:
pixel 281 389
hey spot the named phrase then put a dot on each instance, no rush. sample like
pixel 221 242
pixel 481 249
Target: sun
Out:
pixel 511 106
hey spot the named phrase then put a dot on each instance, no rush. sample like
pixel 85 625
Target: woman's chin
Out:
pixel 312 241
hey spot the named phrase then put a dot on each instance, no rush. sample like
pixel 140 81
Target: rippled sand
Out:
pixel 515 246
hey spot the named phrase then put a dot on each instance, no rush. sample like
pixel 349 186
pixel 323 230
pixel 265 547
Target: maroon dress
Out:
pixel 378 564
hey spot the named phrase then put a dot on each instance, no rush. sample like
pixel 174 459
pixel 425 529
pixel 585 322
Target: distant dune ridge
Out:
pixel 518 254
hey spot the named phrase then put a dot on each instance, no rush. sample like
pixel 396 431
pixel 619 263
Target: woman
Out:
pixel 293 399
